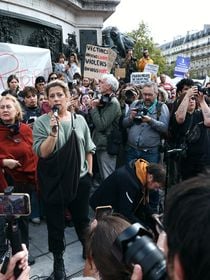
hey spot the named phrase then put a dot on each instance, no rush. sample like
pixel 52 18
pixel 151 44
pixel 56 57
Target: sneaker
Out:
pixel 36 220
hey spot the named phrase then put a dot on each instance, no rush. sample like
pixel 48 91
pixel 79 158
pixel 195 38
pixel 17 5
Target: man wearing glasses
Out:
pixel 146 121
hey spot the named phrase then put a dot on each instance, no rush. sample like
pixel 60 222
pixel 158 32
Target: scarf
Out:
pixel 141 173
pixel 151 108
pixel 14 128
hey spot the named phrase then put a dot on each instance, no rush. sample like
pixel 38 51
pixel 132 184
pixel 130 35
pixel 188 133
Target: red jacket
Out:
pixel 18 147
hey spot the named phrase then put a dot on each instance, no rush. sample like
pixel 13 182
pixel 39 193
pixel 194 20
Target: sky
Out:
pixel 165 19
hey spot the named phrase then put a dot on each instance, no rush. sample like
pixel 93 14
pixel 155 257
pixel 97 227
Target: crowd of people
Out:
pixel 74 142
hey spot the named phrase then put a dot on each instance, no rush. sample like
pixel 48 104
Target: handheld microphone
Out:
pixel 55 110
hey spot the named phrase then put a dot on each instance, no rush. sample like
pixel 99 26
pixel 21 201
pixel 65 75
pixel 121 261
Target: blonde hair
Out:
pixel 19 116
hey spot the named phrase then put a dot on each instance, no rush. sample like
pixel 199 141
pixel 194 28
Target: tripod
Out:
pixel 13 243
pixel 12 233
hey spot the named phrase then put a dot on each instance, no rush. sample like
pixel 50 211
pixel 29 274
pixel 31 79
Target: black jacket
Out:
pixel 123 191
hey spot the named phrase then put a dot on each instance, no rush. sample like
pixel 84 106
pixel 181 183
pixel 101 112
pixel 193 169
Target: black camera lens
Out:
pixel 204 90
pixel 131 248
pixel 143 251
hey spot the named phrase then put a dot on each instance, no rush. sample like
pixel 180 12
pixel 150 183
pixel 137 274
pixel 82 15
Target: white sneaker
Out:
pixel 36 220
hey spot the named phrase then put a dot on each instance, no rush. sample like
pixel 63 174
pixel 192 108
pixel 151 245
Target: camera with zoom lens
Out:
pixel 204 90
pixel 135 246
pixel 141 112
pixel 103 99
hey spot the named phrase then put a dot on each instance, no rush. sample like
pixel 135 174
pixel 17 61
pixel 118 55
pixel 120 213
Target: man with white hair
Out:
pixel 105 115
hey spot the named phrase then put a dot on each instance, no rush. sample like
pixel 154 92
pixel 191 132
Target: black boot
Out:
pixel 58 267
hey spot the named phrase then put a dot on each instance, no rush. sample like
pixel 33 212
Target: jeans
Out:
pixel 150 155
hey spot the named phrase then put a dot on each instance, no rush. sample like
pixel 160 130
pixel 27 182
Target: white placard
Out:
pixel 139 78
pixel 151 68
pixel 25 62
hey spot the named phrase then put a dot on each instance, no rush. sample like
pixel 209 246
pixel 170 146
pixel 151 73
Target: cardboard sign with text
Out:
pixel 25 62
pixel 139 78
pixel 120 72
pixel 98 61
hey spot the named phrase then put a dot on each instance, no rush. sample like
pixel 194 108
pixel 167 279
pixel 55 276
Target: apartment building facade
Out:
pixel 195 45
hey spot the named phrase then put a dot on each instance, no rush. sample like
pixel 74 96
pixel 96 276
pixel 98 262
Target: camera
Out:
pixel 135 246
pixel 204 90
pixel 31 119
pixel 103 99
pixel 130 96
pixel 141 112
pixel 12 206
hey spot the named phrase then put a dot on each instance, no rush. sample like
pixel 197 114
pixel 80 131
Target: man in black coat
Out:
pixel 128 188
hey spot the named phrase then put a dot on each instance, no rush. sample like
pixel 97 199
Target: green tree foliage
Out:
pixel 143 39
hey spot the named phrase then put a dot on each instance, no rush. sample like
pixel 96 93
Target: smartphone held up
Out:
pixel 101 211
pixel 16 204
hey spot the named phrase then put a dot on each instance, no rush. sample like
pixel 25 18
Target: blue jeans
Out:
pixel 150 155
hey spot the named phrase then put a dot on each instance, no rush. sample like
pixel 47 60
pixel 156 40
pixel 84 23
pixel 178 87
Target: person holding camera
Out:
pixel 190 126
pixel 186 221
pixel 101 262
pixel 129 63
pixel 147 120
pixel 105 114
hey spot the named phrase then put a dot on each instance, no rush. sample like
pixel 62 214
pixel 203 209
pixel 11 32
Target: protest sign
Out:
pixel 151 68
pixel 98 61
pixel 138 78
pixel 25 62
pixel 120 72
pixel 182 66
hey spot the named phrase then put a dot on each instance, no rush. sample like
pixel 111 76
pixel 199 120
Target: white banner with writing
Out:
pixel 25 62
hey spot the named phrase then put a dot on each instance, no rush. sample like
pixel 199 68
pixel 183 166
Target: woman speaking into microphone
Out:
pixel 64 146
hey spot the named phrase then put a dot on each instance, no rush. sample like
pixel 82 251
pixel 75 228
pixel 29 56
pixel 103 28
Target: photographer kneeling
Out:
pixel 130 189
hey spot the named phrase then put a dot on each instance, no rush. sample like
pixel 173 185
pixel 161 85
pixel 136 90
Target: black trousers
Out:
pixel 79 209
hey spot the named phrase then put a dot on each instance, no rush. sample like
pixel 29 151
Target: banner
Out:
pixel 182 66
pixel 139 78
pixel 25 62
pixel 98 61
